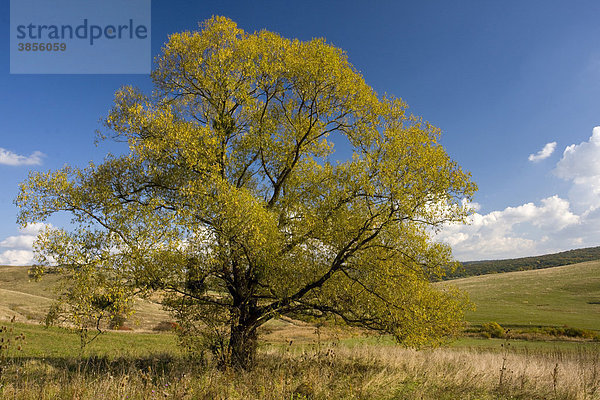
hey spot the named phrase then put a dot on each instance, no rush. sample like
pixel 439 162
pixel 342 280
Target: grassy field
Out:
pixel 559 296
pixel 568 295
pixel 301 361
pixel 28 301
pixel 132 365
pixel 54 342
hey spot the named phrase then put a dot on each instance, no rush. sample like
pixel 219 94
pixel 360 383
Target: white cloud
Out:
pixel 581 164
pixel 34 228
pixel 512 232
pixel 581 160
pixel 543 153
pixel 16 257
pixel 19 247
pixel 551 225
pixel 18 242
pixel 9 158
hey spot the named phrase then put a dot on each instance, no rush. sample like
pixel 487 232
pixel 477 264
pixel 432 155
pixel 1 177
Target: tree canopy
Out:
pixel 230 202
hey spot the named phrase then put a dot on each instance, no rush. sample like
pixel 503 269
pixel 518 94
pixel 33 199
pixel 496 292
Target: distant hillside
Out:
pixel 29 301
pixel 568 295
pixel 474 268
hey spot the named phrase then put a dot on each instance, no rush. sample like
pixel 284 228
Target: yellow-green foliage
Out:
pixel 492 330
pixel 231 201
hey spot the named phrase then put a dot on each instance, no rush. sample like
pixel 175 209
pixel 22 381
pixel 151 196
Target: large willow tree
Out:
pixel 231 203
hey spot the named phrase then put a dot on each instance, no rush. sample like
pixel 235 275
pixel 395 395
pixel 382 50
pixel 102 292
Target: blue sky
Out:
pixel 514 86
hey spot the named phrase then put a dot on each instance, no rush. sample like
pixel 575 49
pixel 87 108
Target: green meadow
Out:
pixel 298 360
pixel 559 296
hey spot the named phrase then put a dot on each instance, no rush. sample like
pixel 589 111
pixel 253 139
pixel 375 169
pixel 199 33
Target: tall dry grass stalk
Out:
pixel 334 372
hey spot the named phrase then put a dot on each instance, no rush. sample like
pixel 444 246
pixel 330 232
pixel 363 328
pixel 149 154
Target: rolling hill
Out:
pixel 567 295
pixel 29 301
pixel 474 268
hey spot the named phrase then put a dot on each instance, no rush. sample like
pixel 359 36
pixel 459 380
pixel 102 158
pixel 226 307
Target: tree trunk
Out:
pixel 242 346
pixel 243 337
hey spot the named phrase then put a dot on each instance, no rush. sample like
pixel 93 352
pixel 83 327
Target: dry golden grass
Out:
pixel 29 301
pixel 288 330
pixel 303 372
pixel 314 366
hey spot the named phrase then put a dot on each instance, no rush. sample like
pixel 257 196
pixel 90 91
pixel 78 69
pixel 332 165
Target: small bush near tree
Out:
pixel 493 330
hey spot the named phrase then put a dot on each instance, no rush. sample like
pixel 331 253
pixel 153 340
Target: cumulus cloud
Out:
pixel 7 157
pixel 512 232
pixel 553 224
pixel 34 228
pixel 543 153
pixel 580 164
pixel 18 242
pixel 17 249
pixel 16 257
